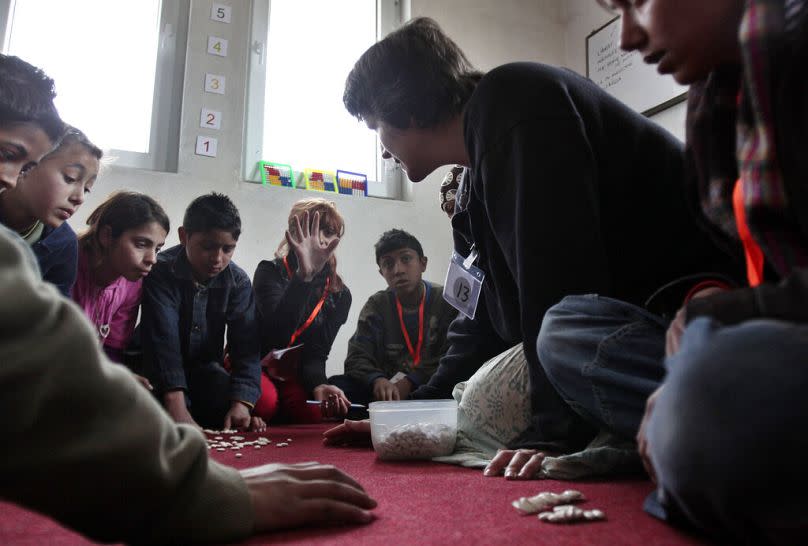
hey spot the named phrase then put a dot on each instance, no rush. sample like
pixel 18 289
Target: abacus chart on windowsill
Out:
pixel 214 84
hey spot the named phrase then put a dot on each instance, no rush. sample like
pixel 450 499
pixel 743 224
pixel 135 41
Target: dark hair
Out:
pixel 122 211
pixel 26 96
pixel 396 239
pixel 74 136
pixel 212 211
pixel 416 74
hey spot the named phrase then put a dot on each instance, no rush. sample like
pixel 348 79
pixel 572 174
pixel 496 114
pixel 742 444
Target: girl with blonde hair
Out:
pixel 301 299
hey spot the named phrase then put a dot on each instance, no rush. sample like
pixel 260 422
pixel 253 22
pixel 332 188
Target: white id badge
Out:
pixel 463 284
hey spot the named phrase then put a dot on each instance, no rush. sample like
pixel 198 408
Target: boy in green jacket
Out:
pixel 401 333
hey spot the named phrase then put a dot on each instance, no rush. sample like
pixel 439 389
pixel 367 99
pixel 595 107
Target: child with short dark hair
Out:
pixel 192 295
pixel 26 108
pixel 401 333
pixel 45 197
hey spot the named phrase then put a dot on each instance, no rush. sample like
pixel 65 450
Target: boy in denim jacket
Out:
pixel 191 295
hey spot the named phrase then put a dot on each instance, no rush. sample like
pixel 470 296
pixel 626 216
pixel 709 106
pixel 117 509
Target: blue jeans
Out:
pixel 728 433
pixel 604 357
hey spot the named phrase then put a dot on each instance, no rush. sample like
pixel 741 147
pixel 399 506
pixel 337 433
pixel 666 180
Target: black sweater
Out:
pixel 570 192
pixel 284 304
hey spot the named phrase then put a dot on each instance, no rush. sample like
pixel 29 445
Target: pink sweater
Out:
pixel 112 309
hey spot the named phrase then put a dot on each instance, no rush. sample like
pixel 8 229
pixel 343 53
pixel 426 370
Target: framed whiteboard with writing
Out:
pixel 626 76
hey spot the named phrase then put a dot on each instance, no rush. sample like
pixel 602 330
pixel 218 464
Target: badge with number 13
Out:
pixel 463 284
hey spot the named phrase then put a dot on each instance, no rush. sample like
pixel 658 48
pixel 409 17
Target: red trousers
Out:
pixel 285 401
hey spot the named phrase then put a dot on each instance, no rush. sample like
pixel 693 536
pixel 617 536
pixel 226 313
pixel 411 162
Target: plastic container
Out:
pixel 413 429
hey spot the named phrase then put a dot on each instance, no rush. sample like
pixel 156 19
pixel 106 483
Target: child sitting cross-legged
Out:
pixel 192 295
pixel 118 249
pixel 401 333
pixel 302 300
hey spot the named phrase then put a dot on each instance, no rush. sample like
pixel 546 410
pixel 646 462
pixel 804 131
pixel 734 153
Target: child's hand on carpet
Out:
pixel 177 409
pixel 286 496
pixel 517 464
pixel 349 433
pixel 257 424
pixel 238 417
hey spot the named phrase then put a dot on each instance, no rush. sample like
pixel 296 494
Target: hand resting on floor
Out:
pixel 293 495
pixel 349 433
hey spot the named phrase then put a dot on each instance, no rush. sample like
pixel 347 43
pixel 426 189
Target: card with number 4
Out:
pixel 217 46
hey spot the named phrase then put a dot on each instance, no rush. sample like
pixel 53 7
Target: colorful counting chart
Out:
pixel 318 180
pixel 349 183
pixel 276 174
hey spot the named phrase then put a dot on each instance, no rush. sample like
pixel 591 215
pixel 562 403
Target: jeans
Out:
pixel 208 395
pixel 604 357
pixel 728 433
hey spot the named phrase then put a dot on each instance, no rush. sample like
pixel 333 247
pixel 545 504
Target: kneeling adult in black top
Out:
pixel 568 192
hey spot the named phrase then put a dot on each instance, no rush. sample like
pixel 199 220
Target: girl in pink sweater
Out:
pixel 117 250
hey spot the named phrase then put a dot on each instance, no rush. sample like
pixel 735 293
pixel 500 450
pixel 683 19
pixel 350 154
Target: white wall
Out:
pixel 491 33
pixel 580 18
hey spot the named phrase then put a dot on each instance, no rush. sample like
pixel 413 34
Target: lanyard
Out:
pixel 416 354
pixel 751 250
pixel 316 310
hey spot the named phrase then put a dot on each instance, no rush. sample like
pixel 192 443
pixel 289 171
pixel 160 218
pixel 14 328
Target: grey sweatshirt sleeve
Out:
pixel 84 443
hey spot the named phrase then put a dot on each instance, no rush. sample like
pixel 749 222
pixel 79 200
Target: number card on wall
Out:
pixel 350 183
pixel 210 119
pixel 217 46
pixel 276 174
pixel 206 146
pixel 220 13
pixel 318 180
pixel 214 83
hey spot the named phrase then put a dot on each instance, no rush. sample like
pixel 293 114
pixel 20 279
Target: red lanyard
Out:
pixel 752 251
pixel 316 310
pixel 416 354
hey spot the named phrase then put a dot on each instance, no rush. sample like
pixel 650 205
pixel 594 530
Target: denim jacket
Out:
pixel 183 324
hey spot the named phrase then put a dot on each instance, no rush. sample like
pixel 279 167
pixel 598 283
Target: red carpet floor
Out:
pixel 419 503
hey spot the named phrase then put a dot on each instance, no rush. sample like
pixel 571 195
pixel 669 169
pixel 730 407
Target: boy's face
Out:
pixel 685 38
pixel 407 147
pixel 208 252
pixel 55 189
pixel 402 269
pixel 22 145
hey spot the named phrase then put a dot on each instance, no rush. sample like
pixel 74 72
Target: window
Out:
pixel 302 51
pixel 118 67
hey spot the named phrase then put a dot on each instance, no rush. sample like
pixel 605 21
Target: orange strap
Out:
pixel 314 313
pixel 416 354
pixel 752 251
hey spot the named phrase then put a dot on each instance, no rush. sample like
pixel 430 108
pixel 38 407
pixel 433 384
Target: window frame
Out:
pixel 164 138
pixel 387 181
